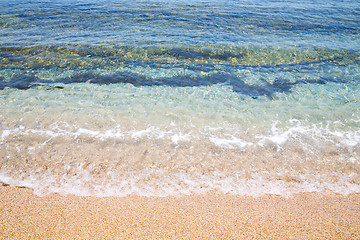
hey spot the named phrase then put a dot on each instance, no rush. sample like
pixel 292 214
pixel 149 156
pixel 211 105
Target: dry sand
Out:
pixel 210 216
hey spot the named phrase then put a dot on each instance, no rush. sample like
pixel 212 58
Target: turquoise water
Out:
pixel 158 98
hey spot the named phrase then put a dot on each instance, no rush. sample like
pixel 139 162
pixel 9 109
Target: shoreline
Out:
pixel 199 216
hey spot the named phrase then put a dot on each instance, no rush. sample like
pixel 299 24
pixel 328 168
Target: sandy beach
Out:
pixel 210 216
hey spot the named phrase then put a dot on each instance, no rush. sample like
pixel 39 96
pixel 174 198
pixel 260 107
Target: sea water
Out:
pixel 163 97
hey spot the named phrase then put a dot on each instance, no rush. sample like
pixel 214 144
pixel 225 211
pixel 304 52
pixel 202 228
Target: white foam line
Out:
pixel 83 184
pixel 276 135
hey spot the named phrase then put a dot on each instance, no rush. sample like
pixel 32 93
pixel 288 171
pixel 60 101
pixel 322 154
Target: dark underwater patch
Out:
pixel 181 53
pixel 279 85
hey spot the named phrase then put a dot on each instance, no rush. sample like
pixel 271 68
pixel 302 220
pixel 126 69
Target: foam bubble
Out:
pixel 180 137
pixel 230 143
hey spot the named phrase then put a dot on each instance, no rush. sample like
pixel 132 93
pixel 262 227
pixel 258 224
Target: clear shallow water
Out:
pixel 161 98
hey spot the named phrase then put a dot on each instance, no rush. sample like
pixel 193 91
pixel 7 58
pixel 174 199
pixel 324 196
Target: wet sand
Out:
pixel 209 216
